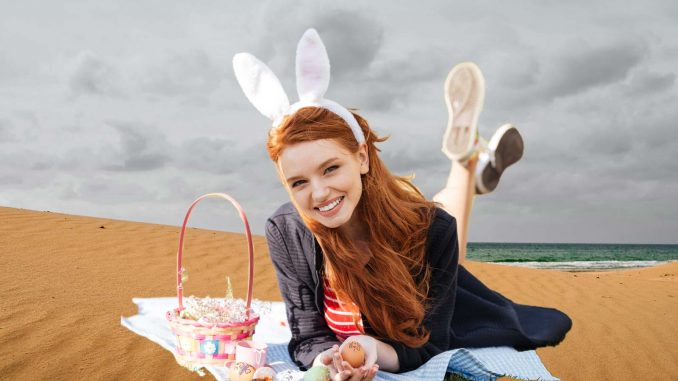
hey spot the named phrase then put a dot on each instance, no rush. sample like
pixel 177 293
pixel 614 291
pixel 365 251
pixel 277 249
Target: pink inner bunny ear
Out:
pixel 313 67
pixel 260 85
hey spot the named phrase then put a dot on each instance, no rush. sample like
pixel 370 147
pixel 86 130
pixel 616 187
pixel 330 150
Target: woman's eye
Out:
pixel 331 168
pixel 296 183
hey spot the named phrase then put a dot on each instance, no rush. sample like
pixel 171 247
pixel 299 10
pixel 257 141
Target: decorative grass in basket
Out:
pixel 206 331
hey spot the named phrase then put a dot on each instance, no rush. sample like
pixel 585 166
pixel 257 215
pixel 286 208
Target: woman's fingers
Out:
pixel 357 375
pixel 326 356
pixel 365 373
pixel 337 361
pixel 372 372
pixel 347 375
pixel 345 371
pixel 326 359
pixel 354 375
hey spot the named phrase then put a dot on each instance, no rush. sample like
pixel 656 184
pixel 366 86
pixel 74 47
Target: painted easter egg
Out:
pixel 354 354
pixel 264 374
pixel 241 371
pixel 317 373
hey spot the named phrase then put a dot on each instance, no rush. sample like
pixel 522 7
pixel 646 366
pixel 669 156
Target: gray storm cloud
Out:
pixel 585 67
pixel 92 75
pixel 183 74
pixel 6 131
pixel 141 148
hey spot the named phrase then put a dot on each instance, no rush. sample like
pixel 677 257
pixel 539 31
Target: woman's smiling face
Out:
pixel 323 179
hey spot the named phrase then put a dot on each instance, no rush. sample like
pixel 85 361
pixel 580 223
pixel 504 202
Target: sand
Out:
pixel 66 280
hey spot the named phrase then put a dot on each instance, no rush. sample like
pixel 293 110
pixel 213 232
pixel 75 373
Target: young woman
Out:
pixel 360 254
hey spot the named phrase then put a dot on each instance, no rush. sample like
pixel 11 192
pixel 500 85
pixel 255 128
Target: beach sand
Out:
pixel 66 280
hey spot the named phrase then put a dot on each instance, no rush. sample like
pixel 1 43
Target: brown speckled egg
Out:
pixel 354 354
pixel 241 371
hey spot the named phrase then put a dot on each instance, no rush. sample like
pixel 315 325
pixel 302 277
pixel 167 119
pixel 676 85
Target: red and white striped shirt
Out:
pixel 339 319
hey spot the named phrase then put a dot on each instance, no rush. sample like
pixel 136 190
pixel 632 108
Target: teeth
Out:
pixel 331 206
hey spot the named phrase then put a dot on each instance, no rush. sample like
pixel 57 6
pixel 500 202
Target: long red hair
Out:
pixel 390 285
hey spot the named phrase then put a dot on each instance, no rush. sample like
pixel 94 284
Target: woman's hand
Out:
pixel 369 369
pixel 369 345
pixel 341 370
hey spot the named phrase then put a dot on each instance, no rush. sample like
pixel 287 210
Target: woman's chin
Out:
pixel 330 223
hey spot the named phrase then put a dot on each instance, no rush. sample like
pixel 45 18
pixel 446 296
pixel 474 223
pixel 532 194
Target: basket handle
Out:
pixel 250 249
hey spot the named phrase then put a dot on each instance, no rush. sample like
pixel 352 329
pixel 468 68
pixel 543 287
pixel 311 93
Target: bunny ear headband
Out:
pixel 264 91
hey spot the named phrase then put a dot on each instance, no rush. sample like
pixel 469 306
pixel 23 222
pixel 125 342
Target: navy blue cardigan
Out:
pixel 463 312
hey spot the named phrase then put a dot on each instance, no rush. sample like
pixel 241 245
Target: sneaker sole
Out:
pixel 459 137
pixel 508 147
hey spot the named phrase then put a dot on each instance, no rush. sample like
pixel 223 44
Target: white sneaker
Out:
pixel 464 96
pixel 504 149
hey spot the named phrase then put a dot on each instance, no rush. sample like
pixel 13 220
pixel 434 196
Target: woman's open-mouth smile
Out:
pixel 331 208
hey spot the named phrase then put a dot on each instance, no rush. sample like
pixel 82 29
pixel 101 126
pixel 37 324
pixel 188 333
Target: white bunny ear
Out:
pixel 261 86
pixel 313 67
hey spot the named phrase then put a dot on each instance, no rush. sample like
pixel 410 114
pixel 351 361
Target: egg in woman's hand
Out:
pixel 241 371
pixel 354 354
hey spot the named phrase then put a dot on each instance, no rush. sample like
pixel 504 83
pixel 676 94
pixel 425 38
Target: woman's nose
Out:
pixel 320 191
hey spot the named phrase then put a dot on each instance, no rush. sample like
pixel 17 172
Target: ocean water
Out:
pixel 573 256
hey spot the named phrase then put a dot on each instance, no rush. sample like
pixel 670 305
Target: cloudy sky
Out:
pixel 130 110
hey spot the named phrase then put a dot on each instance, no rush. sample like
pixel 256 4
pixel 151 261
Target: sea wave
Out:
pixel 584 265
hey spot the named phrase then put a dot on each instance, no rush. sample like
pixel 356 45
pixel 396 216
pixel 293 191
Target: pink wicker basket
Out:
pixel 200 344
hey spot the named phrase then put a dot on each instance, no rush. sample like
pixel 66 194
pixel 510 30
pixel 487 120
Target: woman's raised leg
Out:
pixel 457 199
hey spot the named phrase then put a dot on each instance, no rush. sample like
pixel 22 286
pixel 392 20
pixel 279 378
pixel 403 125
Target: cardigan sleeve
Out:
pixel 443 257
pixel 310 333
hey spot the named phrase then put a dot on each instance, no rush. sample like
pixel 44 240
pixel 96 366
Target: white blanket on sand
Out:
pixel 478 364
